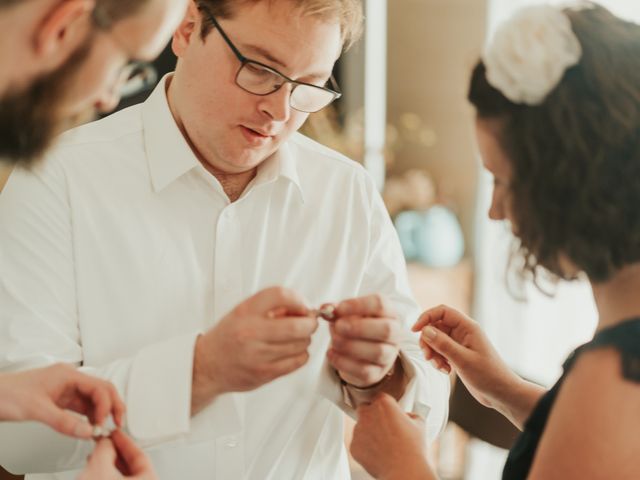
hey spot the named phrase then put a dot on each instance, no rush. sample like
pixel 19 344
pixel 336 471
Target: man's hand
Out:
pixel 117 458
pixel 389 443
pixel 364 340
pixel 263 338
pixel 46 394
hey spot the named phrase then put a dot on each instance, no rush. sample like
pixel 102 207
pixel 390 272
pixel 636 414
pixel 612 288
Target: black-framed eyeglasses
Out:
pixel 136 76
pixel 259 79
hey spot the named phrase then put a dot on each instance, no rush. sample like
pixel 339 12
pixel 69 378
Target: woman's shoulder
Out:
pixel 622 342
pixel 592 428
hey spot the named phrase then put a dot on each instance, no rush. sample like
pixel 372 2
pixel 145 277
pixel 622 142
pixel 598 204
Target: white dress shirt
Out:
pixel 121 248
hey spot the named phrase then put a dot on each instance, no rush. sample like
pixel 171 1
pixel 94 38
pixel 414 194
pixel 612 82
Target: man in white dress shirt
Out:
pixel 154 225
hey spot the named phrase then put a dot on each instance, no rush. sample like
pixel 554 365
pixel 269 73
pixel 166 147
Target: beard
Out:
pixel 31 117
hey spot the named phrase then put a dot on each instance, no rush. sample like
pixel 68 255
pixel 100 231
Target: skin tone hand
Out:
pixel 116 458
pixel 389 443
pixel 263 338
pixel 450 339
pixel 47 394
pixel 364 340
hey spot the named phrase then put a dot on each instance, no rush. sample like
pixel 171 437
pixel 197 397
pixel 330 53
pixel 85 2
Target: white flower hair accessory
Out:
pixel 529 54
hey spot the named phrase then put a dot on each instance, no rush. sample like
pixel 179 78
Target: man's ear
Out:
pixel 62 31
pixel 188 30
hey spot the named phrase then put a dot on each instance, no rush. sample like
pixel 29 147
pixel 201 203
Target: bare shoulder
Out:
pixel 592 431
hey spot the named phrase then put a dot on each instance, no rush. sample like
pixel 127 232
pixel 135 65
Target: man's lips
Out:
pixel 262 132
pixel 255 138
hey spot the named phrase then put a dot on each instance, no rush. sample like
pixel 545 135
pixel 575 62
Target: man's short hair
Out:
pixel 349 13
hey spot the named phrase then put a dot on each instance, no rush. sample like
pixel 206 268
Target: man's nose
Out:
pixel 276 105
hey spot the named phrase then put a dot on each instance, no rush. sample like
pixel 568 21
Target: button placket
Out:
pixel 227 275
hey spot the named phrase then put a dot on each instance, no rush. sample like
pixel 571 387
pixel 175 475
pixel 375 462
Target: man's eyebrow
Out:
pixel 268 56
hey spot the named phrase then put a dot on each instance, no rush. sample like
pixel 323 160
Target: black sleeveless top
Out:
pixel 625 338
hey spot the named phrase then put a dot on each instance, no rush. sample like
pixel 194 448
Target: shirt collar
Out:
pixel 168 153
pixel 170 156
pixel 281 165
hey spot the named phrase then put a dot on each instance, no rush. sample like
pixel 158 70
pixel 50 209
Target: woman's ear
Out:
pixel 62 31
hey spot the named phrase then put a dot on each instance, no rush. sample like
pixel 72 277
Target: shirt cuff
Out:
pixel 331 387
pixel 159 391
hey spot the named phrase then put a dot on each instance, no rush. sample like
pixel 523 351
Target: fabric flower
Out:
pixel 529 54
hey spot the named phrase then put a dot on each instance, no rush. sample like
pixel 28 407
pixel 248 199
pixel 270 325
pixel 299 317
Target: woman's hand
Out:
pixel 47 394
pixel 389 443
pixel 117 458
pixel 450 339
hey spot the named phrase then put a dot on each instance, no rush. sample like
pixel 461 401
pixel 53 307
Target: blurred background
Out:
pixel 404 115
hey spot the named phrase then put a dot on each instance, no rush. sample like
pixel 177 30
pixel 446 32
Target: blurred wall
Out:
pixel 433 45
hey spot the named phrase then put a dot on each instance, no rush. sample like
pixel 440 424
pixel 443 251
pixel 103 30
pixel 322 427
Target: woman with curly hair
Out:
pixel 557 96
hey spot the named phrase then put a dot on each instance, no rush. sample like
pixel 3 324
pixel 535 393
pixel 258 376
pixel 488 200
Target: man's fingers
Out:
pixel 63 421
pixel 133 457
pixel 288 329
pixel 279 351
pixel 274 298
pixel 103 396
pixel 376 329
pixel 369 306
pixel 381 354
pixel 286 366
pixel 353 371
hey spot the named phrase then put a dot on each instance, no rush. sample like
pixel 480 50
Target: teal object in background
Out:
pixel 407 225
pixel 433 237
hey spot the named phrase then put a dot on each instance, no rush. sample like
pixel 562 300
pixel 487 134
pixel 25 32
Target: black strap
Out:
pixel 624 337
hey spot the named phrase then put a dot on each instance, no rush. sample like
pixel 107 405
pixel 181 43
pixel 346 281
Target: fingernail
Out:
pixel 83 430
pixel 429 333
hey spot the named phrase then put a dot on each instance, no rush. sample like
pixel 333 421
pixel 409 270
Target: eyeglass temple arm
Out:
pixel 217 26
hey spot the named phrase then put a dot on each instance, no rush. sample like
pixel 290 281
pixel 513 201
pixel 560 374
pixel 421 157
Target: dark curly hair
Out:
pixel 575 188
